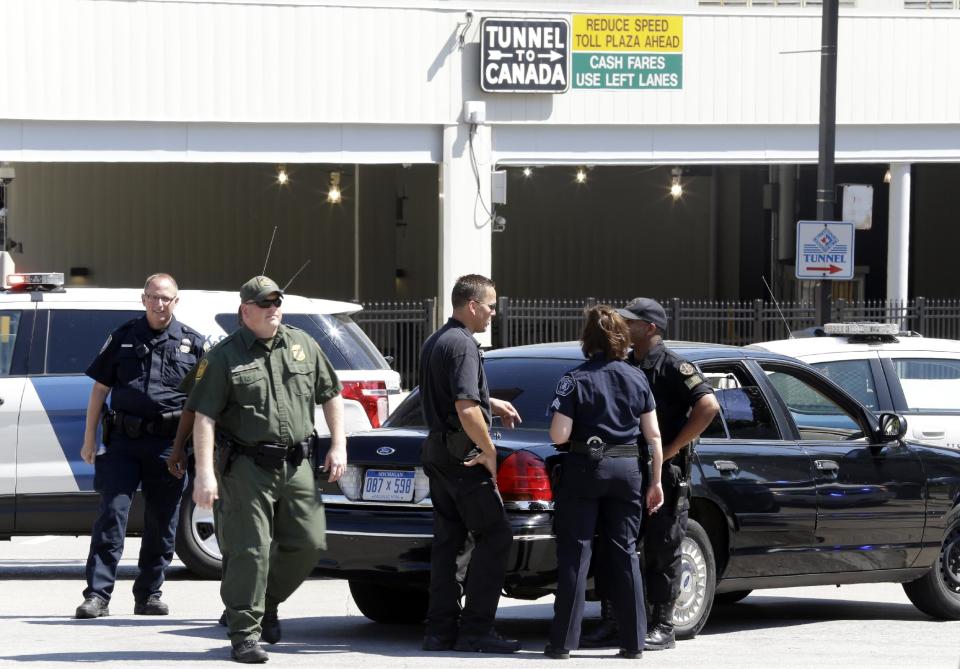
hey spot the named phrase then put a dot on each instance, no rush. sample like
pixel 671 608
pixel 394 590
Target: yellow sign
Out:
pixel 608 32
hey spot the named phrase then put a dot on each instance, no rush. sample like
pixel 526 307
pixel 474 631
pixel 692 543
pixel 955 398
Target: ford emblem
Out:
pixel 385 450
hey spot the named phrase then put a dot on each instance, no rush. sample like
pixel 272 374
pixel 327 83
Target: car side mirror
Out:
pixel 893 427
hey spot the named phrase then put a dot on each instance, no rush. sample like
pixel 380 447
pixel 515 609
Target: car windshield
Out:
pixel 929 384
pixel 527 383
pixel 342 340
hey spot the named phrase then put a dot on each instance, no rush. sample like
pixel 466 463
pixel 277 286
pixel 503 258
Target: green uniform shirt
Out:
pixel 264 395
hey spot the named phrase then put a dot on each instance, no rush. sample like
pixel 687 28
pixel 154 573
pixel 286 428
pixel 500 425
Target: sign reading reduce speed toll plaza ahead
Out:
pixel 524 55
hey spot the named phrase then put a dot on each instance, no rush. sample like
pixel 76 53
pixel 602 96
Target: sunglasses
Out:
pixel 266 304
pixel 491 307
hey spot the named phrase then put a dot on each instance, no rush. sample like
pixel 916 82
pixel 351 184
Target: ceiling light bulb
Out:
pixel 886 177
pixel 676 190
pixel 527 172
pixel 282 177
pixel 581 176
pixel 333 195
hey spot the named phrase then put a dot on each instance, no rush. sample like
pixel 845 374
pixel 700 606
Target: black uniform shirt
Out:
pixel 677 384
pixel 143 367
pixel 605 398
pixel 451 369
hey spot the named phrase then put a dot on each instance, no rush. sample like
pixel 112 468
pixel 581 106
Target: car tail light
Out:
pixel 524 481
pixel 372 396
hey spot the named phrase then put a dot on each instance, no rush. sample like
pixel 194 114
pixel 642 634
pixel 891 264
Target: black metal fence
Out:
pixel 399 328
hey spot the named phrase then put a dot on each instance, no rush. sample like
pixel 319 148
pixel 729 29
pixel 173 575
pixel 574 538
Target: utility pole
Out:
pixel 826 189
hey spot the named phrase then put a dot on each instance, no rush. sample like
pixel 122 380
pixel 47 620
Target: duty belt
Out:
pixel 598 449
pixel 273 456
pixel 134 427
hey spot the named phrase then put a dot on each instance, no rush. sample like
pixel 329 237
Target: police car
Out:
pixel 49 335
pixel 889 370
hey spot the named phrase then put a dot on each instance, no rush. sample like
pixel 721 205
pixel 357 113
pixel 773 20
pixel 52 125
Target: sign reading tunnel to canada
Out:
pixel 627 52
pixel 524 55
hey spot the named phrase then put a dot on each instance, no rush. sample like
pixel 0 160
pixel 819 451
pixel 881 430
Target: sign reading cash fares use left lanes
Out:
pixel 524 55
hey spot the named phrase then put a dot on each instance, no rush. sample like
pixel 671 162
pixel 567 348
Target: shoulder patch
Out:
pixel 693 381
pixel 687 369
pixel 201 368
pixel 106 343
pixel 566 386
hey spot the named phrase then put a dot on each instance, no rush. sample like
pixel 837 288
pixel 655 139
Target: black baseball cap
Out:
pixel 645 309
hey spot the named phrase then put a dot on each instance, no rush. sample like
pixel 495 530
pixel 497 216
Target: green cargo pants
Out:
pixel 271 528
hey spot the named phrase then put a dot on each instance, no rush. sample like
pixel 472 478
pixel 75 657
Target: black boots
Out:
pixel 606 633
pixel 661 636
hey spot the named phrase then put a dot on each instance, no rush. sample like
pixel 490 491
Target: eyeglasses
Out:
pixel 266 304
pixel 491 307
pixel 162 299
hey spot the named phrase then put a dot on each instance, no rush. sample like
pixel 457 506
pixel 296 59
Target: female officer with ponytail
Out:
pixel 601 410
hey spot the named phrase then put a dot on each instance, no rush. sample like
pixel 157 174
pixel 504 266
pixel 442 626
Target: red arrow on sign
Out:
pixel 833 269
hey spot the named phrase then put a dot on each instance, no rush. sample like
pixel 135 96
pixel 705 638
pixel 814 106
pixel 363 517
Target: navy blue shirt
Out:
pixel 605 398
pixel 143 367
pixel 677 384
pixel 451 369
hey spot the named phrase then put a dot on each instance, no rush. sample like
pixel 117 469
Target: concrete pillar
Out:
pixel 465 242
pixel 898 235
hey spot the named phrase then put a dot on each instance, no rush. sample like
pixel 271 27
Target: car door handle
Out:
pixel 726 466
pixel 932 434
pixel 2 400
pixel 828 466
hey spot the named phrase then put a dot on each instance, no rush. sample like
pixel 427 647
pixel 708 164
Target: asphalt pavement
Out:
pixel 41 579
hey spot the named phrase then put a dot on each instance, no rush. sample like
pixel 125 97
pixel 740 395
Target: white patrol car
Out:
pixel 48 337
pixel 891 371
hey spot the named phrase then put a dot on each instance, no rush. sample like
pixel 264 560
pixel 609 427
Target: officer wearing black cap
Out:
pixel 140 366
pixel 461 462
pixel 601 410
pixel 685 407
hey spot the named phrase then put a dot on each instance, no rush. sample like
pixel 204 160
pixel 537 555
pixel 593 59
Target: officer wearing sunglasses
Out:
pixel 256 390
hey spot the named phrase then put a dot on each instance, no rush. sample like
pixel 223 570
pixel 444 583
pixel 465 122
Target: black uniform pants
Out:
pixel 127 464
pixel 605 496
pixel 465 500
pixel 662 537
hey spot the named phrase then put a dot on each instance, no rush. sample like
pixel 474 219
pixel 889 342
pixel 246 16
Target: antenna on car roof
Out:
pixel 777 305
pixel 302 267
pixel 269 248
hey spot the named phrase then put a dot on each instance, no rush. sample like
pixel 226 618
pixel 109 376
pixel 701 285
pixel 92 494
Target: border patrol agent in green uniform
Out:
pixel 256 390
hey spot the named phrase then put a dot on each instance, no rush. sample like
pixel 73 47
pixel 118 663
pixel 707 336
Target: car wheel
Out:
pixel 698 580
pixel 730 597
pixel 938 593
pixel 390 604
pixel 197 544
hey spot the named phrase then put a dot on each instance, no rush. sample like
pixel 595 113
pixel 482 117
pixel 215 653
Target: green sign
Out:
pixel 627 71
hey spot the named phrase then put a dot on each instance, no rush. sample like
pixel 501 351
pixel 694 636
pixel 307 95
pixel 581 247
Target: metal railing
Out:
pixel 399 328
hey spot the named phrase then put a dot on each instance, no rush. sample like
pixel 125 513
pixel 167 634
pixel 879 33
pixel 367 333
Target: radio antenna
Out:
pixel 302 267
pixel 777 305
pixel 269 248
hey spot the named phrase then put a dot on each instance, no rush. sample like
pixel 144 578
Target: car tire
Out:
pixel 196 543
pixel 730 597
pixel 393 605
pixel 698 580
pixel 938 593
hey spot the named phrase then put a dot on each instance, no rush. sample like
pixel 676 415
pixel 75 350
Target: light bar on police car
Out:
pixel 28 279
pixel 861 328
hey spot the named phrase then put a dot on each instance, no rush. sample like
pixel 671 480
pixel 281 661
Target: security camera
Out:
pixel 499 224
pixel 469 14
pixel 7 175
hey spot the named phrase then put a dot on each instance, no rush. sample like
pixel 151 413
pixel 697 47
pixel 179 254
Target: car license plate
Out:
pixel 388 485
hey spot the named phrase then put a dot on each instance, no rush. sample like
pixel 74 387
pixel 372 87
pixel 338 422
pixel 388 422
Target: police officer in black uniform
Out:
pixel 461 462
pixel 685 407
pixel 601 410
pixel 139 366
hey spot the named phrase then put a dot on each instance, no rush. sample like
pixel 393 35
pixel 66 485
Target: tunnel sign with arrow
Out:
pixel 524 55
pixel 824 250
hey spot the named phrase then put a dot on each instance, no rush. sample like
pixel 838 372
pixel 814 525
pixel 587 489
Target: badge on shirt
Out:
pixel 106 343
pixel 566 386
pixel 297 351
pixel 185 345
pixel 687 369
pixel 201 368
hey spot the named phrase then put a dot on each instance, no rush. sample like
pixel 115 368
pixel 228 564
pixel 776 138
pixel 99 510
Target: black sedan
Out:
pixel 795 483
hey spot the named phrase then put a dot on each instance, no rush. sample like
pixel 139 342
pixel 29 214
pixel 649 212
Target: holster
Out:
pixel 226 453
pixel 107 418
